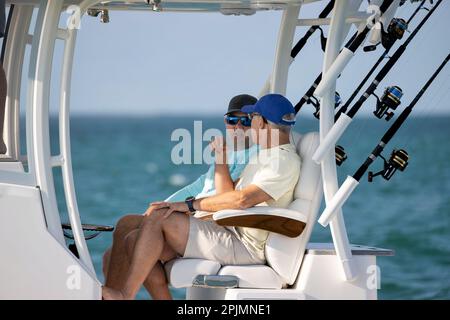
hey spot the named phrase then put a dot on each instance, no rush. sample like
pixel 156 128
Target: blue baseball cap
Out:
pixel 275 108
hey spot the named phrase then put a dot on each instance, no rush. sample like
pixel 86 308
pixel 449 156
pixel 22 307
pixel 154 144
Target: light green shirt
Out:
pixel 275 171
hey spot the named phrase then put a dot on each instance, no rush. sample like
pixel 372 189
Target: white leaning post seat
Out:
pixel 284 255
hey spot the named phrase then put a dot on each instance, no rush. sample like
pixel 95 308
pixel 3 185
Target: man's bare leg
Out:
pixel 156 282
pixel 118 261
pixel 148 248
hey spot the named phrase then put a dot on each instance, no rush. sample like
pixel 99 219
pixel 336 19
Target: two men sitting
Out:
pixel 168 229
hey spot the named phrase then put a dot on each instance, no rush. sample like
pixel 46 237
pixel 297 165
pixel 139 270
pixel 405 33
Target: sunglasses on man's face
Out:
pixel 233 120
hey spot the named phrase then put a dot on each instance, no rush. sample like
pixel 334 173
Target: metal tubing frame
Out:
pixel 283 59
pixel 38 135
pixel 338 30
pixel 356 19
pixel 14 57
pixel 38 142
pixel 278 83
pixel 69 37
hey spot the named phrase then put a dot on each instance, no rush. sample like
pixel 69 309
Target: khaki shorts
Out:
pixel 208 240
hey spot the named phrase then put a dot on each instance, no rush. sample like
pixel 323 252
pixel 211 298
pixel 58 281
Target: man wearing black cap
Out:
pixel 236 124
pixel 226 170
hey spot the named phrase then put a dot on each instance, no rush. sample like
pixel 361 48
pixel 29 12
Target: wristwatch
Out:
pixel 190 203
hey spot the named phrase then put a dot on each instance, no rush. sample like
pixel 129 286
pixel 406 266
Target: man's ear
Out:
pixel 264 124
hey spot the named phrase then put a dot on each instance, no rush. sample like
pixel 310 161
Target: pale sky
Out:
pixel 178 63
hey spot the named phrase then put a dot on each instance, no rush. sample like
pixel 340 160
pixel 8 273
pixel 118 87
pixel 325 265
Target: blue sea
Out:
pixel 122 163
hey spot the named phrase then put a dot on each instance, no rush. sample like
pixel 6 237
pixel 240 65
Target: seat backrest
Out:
pixel 285 254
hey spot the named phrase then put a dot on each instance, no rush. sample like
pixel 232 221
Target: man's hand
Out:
pixel 170 206
pixel 219 147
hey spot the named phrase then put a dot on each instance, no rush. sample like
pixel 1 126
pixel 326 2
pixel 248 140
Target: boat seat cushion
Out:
pixel 254 276
pixel 182 272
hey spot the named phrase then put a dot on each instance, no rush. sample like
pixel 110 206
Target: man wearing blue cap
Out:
pixel 230 161
pixel 168 229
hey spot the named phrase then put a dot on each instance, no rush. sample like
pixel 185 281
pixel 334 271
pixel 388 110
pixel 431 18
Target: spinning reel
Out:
pixel 313 100
pixel 341 156
pixel 395 31
pixel 104 14
pixel 389 100
pixel 398 160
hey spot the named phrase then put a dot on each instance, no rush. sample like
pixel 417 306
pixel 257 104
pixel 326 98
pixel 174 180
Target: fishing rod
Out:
pixel 345 118
pixel 351 46
pixel 316 104
pixel 397 161
pixel 340 154
pixel 347 53
pixel 396 28
pixel 301 43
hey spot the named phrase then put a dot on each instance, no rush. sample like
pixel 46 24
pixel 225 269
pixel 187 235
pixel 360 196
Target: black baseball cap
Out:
pixel 237 102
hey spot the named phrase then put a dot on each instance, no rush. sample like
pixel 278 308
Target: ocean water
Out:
pixel 123 163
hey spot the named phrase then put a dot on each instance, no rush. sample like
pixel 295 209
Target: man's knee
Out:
pixel 176 223
pixel 154 220
pixel 126 224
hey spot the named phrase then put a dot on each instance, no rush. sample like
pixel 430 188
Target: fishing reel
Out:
pixel 395 31
pixel 313 100
pixel 156 4
pixel 389 100
pixel 398 161
pixel 341 155
pixel 104 14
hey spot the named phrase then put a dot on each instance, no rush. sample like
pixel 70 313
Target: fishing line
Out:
pixel 362 126
pixel 345 119
pixel 349 50
pixel 426 113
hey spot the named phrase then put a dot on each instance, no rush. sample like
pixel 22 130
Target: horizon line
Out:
pixel 210 115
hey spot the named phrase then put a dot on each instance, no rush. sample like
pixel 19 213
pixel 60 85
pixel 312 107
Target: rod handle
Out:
pixel 338 200
pixel 331 138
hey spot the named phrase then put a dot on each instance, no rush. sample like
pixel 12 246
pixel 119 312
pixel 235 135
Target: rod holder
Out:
pixel 338 200
pixel 331 138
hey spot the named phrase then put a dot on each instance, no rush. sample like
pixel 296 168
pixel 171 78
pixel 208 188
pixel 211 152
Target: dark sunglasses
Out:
pixel 233 120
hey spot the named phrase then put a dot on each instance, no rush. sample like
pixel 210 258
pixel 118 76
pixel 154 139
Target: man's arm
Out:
pixel 236 199
pixel 222 178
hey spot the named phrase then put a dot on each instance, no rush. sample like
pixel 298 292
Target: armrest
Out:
pixel 283 221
